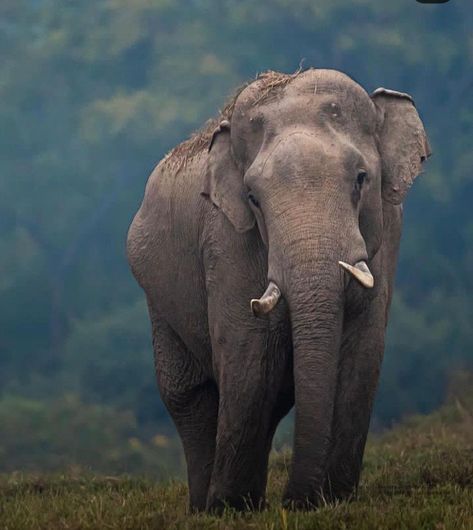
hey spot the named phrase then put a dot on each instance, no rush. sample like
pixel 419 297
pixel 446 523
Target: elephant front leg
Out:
pixel 249 359
pixel 250 378
pixel 360 361
pixel 241 456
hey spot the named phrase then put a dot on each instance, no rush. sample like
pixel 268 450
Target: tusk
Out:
pixel 360 271
pixel 265 304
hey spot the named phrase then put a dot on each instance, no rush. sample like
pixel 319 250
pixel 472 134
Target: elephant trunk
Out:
pixel 303 261
pixel 315 295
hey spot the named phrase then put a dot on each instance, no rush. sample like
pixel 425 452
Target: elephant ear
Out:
pixel 403 143
pixel 223 181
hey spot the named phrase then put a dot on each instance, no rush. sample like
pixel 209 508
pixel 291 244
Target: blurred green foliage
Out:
pixel 60 434
pixel 92 94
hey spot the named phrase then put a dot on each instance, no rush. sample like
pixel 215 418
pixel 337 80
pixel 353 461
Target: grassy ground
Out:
pixel 419 475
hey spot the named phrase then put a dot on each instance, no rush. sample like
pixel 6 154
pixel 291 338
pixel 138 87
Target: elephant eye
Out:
pixel 360 179
pixel 254 201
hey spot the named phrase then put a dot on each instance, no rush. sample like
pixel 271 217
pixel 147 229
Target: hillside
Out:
pixel 418 475
pixel 93 94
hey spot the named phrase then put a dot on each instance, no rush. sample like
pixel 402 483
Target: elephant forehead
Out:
pixel 322 81
pixel 274 86
pixel 316 83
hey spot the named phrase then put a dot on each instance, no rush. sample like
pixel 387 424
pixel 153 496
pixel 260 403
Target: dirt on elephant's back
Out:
pixel 269 83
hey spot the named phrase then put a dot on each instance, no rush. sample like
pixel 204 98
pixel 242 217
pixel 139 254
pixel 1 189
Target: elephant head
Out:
pixel 311 159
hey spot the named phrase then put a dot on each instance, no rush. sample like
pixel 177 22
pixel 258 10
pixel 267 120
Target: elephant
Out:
pixel 293 194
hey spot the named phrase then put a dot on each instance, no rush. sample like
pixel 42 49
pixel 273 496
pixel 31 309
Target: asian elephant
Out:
pixel 296 192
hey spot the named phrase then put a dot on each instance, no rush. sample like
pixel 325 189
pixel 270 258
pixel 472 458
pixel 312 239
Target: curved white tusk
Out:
pixel 265 304
pixel 361 272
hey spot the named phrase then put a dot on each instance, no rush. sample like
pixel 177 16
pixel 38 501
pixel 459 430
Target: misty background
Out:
pixel 92 95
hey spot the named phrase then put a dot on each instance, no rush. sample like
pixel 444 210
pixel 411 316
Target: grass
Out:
pixel 416 476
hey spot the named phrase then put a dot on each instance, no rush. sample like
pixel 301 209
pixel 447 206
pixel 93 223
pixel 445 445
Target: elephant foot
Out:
pixel 241 503
pixel 335 494
pixel 304 498
pixel 340 487
pixel 300 504
pixel 195 508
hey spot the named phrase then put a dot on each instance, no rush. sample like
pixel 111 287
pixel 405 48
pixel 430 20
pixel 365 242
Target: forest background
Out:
pixel 92 95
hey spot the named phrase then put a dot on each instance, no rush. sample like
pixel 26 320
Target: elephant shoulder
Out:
pixel 172 185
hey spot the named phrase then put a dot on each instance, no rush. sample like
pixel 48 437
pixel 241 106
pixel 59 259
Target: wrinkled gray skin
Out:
pixel 201 250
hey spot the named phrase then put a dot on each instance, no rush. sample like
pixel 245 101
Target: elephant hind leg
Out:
pixel 197 430
pixel 192 400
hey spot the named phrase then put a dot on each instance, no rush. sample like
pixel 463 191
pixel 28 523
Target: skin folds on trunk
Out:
pixel 268 301
pixel 315 296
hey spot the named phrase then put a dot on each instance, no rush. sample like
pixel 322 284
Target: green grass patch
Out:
pixel 419 475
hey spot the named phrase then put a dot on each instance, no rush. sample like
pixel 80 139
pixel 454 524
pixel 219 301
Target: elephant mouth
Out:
pixel 270 298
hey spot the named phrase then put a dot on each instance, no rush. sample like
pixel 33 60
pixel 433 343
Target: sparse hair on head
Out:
pixel 269 84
